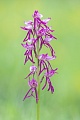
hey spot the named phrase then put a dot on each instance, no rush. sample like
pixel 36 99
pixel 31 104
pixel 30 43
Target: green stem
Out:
pixel 38 104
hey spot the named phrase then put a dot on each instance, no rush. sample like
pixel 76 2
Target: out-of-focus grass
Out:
pixel 64 104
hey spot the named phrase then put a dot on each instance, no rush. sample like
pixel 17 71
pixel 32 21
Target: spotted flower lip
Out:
pixel 46 57
pixel 33 83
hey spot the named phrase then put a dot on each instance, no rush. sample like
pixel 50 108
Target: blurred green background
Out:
pixel 64 104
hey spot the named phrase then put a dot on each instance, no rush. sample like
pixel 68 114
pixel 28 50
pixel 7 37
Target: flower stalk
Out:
pixel 38 35
pixel 38 104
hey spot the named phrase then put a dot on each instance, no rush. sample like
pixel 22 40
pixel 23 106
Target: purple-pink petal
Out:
pixel 37 14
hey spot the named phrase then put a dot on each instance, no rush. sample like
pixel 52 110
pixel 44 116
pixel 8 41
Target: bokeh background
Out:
pixel 64 104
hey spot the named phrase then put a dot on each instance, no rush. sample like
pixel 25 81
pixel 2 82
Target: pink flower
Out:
pixel 46 57
pixel 32 91
pixel 38 32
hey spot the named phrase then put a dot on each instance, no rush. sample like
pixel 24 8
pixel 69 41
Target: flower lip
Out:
pixel 33 83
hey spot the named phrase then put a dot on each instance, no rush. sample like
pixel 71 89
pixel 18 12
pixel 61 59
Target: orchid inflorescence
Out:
pixel 38 35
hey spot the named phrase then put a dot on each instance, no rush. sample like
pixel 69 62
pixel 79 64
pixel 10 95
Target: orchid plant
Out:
pixel 38 35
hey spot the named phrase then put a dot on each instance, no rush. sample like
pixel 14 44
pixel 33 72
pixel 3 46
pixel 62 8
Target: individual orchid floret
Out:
pixel 33 68
pixel 50 73
pixel 32 71
pixel 28 36
pixel 28 52
pixel 51 49
pixel 37 14
pixel 46 57
pixel 41 32
pixel 43 66
pixel 33 90
pixel 44 62
pixel 29 25
pixel 29 56
pixel 36 17
pixel 44 32
pixel 50 87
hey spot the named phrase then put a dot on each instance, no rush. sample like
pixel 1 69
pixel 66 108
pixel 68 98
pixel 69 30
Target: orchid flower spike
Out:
pixel 38 34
